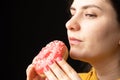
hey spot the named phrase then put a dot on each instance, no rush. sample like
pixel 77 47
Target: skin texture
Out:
pixel 94 37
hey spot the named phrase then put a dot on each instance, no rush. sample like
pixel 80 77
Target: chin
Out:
pixel 75 55
pixel 79 56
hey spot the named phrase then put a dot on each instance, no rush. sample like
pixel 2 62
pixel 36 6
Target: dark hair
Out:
pixel 116 6
pixel 69 3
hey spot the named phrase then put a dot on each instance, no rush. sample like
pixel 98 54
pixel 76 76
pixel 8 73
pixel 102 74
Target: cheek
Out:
pixel 101 36
pixel 100 28
pixel 94 30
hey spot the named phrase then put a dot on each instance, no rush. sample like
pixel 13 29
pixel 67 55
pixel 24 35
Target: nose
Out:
pixel 73 25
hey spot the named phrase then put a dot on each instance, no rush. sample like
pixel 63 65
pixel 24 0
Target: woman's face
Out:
pixel 93 30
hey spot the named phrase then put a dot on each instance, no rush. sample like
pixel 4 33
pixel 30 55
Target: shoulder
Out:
pixel 84 76
pixel 91 75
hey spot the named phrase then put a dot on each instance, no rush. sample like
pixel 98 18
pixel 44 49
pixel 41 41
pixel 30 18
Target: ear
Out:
pixel 119 42
pixel 119 34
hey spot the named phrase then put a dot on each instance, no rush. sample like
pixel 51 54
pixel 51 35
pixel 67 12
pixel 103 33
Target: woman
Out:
pixel 94 37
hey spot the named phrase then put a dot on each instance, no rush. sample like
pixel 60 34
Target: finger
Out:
pixel 50 75
pixel 29 72
pixel 59 73
pixel 68 69
pixel 38 78
pixel 29 69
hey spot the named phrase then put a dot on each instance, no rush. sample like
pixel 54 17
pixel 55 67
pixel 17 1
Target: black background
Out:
pixel 27 26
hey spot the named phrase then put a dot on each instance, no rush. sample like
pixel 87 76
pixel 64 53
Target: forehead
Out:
pixel 78 3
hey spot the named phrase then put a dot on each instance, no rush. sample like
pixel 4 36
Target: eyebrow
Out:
pixel 87 6
pixel 92 6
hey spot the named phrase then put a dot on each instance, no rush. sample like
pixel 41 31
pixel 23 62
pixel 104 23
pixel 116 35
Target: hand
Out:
pixel 31 74
pixel 61 70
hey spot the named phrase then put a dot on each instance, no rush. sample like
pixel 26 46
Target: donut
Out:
pixel 48 54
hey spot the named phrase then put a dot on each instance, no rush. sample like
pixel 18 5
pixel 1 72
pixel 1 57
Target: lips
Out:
pixel 74 41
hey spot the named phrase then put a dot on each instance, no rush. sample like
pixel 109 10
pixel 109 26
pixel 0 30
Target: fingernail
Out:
pixel 59 59
pixel 46 69
pixel 51 62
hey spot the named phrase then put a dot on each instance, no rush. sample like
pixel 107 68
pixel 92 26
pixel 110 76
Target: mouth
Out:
pixel 74 41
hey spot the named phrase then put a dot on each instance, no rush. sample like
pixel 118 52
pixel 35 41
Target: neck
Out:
pixel 109 68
